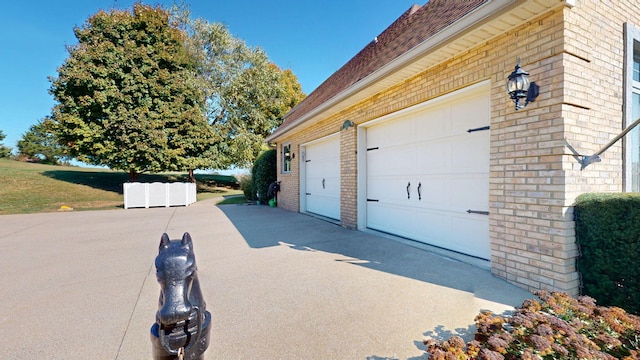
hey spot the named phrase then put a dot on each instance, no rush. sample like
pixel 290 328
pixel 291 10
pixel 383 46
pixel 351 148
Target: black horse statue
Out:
pixel 182 326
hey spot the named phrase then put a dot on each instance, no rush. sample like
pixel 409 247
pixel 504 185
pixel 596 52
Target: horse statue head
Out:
pixel 182 323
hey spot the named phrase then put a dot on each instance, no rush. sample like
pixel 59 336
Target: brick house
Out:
pixel 417 137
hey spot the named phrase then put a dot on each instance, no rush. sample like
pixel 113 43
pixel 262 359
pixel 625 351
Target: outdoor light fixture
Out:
pixel 347 124
pixel 520 88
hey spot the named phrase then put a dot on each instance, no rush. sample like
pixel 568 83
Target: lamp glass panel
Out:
pixel 522 83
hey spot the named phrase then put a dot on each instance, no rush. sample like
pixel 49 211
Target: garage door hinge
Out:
pixel 307 161
pixel 373 200
pixel 477 212
pixel 479 129
pixel 308 194
pixel 373 148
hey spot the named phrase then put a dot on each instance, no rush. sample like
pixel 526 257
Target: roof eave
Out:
pixel 475 20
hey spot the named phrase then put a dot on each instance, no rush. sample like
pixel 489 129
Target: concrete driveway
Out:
pixel 279 285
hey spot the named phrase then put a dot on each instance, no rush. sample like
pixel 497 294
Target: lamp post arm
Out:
pixel 587 160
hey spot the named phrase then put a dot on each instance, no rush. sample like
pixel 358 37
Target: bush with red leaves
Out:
pixel 555 327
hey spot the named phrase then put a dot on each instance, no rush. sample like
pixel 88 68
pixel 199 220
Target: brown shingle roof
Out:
pixel 412 28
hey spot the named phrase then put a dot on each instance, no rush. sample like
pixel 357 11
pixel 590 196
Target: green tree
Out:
pixel 128 97
pixel 4 150
pixel 247 95
pixel 40 143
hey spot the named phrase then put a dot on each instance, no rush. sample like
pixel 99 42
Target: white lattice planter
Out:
pixel 137 195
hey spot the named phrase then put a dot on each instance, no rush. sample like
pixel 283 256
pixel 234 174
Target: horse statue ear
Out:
pixel 186 240
pixel 164 241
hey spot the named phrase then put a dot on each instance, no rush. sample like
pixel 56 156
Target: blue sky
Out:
pixel 312 38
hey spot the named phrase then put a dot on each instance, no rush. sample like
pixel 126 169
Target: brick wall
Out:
pixel 349 177
pixel 576 58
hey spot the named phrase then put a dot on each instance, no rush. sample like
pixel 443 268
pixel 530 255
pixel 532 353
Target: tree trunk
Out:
pixel 133 175
pixel 192 177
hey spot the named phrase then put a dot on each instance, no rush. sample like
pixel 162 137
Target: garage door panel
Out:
pixel 435 125
pixel 322 178
pixel 471 113
pixel 323 205
pixel 398 221
pixel 468 240
pixel 322 168
pixel 471 192
pixel 469 152
pixel 432 157
pixel 390 190
pixel 435 226
pixel 396 133
pixel 328 186
pixel 432 148
pixel 435 192
pixel 385 160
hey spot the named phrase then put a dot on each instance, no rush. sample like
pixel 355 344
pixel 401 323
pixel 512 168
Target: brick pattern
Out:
pixel 349 177
pixel 289 183
pixel 576 58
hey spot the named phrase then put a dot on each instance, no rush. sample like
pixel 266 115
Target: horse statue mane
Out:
pixel 182 326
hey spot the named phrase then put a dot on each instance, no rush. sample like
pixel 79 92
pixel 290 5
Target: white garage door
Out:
pixel 428 174
pixel 322 177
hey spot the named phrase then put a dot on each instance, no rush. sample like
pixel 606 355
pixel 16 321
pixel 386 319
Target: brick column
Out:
pixel 348 178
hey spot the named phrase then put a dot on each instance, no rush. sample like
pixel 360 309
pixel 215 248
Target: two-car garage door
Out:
pixel 427 173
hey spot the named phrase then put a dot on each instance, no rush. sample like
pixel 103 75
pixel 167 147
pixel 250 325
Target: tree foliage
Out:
pixel 4 150
pixel 40 143
pixel 247 95
pixel 128 98
pixel 148 91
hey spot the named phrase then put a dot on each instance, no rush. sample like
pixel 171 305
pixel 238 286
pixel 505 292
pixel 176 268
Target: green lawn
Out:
pixel 31 188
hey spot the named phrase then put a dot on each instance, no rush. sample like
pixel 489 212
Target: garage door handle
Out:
pixel 408 191
pixel 323 183
pixel 419 191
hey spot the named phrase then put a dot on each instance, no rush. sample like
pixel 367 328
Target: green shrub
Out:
pixel 608 233
pixel 263 174
pixel 557 327
pixel 246 185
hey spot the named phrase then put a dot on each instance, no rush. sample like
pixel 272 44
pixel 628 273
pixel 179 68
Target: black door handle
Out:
pixel 419 191
pixel 323 183
pixel 408 192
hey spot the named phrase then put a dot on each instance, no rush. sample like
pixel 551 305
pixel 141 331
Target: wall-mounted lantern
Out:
pixel 347 124
pixel 520 89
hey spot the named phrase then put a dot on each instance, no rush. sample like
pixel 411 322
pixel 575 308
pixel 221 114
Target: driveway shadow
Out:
pixel 262 226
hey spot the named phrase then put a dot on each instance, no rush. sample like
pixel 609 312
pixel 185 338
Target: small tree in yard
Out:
pixel 4 150
pixel 39 143
pixel 246 184
pixel 263 174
